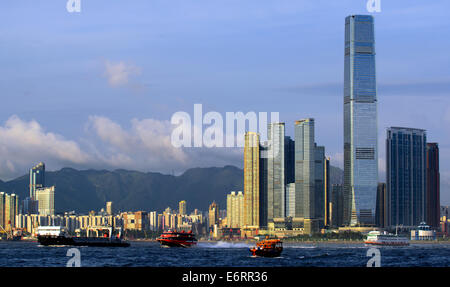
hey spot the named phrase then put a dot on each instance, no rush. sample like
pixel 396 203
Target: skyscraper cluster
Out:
pixel 284 178
pixel 42 198
pixel 287 181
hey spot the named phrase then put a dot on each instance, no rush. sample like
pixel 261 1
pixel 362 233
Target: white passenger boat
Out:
pixel 387 239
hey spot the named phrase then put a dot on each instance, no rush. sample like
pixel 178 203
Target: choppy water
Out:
pixel 17 254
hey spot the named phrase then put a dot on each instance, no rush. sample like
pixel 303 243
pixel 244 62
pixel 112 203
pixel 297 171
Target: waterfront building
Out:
pixel 360 121
pixel 304 176
pixel 153 220
pixel 263 184
pixel 37 179
pixel 251 181
pixel 9 208
pixel 235 209
pixel 276 171
pixel 381 218
pixel 133 221
pixel 46 200
pixel 337 206
pixel 423 232
pixel 319 184
pixel 433 185
pixel 406 175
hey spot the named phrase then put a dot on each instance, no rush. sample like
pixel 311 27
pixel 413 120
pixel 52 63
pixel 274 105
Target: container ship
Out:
pixel 177 239
pixel 267 248
pixel 57 235
pixel 386 239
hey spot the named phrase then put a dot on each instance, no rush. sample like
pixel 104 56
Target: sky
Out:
pixel 97 89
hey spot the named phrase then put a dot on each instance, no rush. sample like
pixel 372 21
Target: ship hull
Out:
pixel 378 243
pixel 80 241
pixel 176 243
pixel 266 253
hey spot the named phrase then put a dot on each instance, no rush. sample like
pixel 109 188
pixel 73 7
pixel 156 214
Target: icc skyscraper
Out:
pixel 360 122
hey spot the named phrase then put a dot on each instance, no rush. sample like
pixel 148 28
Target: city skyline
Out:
pixel 128 78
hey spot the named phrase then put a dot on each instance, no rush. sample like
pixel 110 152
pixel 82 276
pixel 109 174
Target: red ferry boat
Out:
pixel 177 239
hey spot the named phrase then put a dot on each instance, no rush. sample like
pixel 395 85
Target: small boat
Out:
pixel 57 235
pixel 177 239
pixel 267 248
pixel 385 239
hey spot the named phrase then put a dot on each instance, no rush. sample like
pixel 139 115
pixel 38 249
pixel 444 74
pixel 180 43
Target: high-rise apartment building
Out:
pixel 37 178
pixel 182 207
pixel 406 175
pixel 46 200
pixel 433 186
pixel 251 180
pixel 213 213
pixel 360 121
pixel 9 208
pixel 235 209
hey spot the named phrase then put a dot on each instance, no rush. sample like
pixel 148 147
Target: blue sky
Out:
pixel 97 89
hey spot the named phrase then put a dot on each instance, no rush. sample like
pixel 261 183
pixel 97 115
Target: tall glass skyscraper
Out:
pixel 433 185
pixel 37 179
pixel 276 171
pixel 360 122
pixel 319 184
pixel 406 176
pixel 304 169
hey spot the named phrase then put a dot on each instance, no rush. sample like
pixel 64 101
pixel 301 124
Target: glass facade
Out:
pixel 406 176
pixel 37 179
pixel 319 184
pixel 276 171
pixel 433 185
pixel 360 122
pixel 304 169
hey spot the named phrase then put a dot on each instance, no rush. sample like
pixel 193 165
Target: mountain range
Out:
pixel 86 190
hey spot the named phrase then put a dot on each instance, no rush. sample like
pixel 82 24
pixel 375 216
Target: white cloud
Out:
pixel 118 74
pixel 144 145
pixel 23 143
pixel 147 142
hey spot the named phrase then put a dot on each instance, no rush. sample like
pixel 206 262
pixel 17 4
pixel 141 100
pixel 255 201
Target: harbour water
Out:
pixel 223 254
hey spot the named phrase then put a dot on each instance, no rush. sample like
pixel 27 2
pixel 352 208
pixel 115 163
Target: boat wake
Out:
pixel 223 244
pixel 300 246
